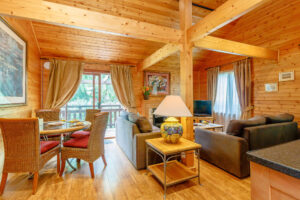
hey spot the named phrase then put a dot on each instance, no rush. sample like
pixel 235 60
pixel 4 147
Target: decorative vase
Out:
pixel 146 97
pixel 171 130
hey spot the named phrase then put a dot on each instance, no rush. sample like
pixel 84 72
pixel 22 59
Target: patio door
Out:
pixel 94 92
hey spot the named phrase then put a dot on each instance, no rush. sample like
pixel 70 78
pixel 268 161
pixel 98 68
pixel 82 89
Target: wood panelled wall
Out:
pixel 275 26
pixel 264 71
pixel 287 98
pixel 24 28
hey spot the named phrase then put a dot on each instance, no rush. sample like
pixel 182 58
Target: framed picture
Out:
pixel 271 87
pixel 13 61
pixel 158 82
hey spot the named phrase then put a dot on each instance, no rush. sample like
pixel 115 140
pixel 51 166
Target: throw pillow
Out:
pixel 236 127
pixel 144 125
pixel 284 117
pixel 132 117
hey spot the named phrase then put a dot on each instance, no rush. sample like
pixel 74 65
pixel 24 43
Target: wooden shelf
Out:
pixel 176 172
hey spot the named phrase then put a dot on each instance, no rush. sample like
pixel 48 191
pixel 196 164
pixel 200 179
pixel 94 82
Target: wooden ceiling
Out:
pixel 56 41
pixel 269 26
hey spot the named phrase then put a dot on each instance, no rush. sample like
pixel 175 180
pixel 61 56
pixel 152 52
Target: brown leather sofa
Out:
pixel 228 150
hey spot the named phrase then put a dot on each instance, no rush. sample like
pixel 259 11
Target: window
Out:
pixel 94 92
pixel 227 102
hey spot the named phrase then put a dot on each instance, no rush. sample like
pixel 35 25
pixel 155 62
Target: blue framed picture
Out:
pixel 13 53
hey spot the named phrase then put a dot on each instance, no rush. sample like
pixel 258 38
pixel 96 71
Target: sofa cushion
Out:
pixel 236 127
pixel 284 117
pixel 48 145
pixel 124 114
pixel 80 134
pixel 144 125
pixel 132 117
pixel 77 142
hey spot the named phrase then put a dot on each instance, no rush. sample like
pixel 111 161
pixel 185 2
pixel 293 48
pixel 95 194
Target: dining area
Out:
pixel 30 143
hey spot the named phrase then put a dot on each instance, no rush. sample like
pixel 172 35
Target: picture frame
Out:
pixel 13 67
pixel 158 82
pixel 271 87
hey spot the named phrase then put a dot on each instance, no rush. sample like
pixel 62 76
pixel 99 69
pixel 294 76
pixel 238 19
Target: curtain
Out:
pixel 122 83
pixel 242 72
pixel 64 79
pixel 212 82
pixel 227 105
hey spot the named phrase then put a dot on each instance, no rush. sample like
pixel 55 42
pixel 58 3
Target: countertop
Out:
pixel 284 158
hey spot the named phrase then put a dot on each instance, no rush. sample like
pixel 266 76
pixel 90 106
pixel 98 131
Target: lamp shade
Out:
pixel 173 106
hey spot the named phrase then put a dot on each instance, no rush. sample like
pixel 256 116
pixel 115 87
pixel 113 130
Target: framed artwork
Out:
pixel 271 87
pixel 13 61
pixel 158 82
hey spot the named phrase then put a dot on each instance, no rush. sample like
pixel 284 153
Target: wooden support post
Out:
pixel 186 65
pixel 186 72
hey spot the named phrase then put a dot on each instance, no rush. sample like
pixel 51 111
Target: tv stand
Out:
pixel 198 119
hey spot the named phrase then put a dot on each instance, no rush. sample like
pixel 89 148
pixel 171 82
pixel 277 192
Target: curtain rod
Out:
pixel 86 61
pixel 227 63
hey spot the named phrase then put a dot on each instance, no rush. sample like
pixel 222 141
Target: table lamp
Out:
pixel 172 106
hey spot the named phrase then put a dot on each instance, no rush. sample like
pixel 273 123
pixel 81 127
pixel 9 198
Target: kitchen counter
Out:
pixel 284 158
pixel 275 172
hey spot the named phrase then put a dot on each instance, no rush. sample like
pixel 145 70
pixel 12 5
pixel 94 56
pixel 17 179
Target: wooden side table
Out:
pixel 172 172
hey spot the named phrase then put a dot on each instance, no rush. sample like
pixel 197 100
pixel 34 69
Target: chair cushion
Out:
pixel 80 134
pixel 144 125
pixel 48 145
pixel 284 117
pixel 236 127
pixel 77 142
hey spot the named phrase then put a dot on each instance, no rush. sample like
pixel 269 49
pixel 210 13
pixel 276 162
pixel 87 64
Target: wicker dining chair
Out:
pixel 88 148
pixel 49 115
pixel 24 152
pixel 89 116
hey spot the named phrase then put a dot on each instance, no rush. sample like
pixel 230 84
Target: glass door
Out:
pixel 94 92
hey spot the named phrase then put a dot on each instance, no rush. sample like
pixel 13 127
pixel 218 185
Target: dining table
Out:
pixel 64 128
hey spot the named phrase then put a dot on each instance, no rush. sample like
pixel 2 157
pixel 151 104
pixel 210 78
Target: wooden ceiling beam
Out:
pixel 235 48
pixel 159 55
pixel 58 14
pixel 213 44
pixel 223 15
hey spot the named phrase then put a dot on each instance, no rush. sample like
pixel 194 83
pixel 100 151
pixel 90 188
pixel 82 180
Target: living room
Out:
pixel 218 80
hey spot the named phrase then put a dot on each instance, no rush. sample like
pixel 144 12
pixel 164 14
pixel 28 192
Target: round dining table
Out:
pixel 63 127
pixel 60 127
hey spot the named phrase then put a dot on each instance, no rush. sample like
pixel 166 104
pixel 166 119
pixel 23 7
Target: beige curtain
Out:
pixel 122 82
pixel 242 73
pixel 64 79
pixel 212 83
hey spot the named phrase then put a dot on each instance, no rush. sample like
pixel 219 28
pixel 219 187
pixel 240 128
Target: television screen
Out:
pixel 202 108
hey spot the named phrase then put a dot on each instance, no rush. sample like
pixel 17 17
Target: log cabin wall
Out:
pixel 24 28
pixel 275 30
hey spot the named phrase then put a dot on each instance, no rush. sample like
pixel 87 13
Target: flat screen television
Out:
pixel 202 108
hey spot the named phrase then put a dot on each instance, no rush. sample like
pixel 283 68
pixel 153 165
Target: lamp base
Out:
pixel 171 130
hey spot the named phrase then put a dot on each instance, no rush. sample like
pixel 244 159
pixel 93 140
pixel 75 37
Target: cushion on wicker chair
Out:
pixel 80 134
pixel 48 145
pixel 77 142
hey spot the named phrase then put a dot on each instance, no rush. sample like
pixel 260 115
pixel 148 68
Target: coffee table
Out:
pixel 172 172
pixel 209 126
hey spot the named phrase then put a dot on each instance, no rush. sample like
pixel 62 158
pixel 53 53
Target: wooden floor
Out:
pixel 120 180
